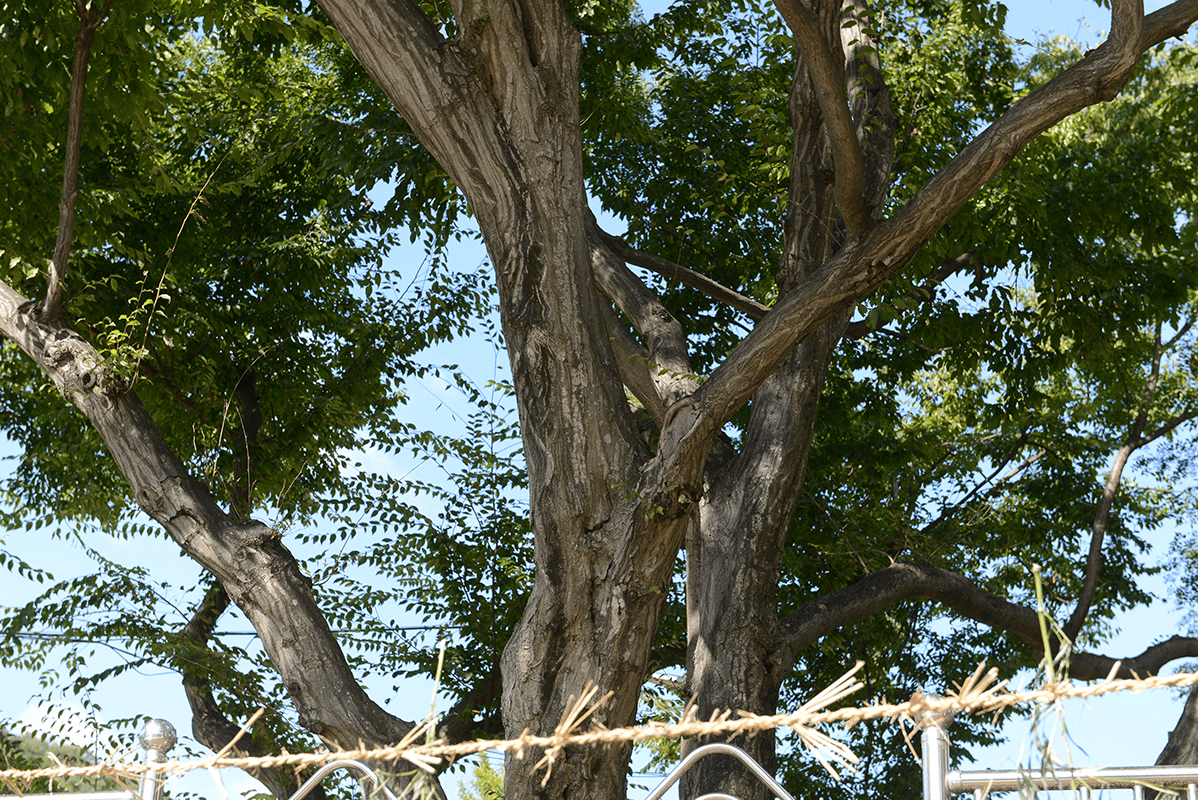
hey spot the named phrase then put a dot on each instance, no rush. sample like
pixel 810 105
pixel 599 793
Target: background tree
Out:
pixel 965 435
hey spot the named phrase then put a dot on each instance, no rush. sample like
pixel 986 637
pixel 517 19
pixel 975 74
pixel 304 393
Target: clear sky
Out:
pixel 1124 729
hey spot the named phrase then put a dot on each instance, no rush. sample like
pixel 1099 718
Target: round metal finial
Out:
pixel 158 734
pixel 929 718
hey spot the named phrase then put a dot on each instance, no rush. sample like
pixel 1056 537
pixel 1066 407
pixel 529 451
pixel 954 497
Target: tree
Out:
pixel 500 94
pixel 277 355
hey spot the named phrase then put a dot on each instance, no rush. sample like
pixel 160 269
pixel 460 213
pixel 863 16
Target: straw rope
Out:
pixel 981 693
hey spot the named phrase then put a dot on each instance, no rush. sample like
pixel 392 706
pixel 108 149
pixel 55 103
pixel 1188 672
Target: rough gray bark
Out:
pixel 497 106
pixel 737 657
pixel 1182 747
pixel 209 725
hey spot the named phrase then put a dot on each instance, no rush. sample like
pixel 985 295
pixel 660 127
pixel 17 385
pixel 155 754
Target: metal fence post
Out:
pixel 934 744
pixel 157 737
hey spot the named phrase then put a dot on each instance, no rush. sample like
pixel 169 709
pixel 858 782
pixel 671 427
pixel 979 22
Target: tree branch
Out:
pixel 1098 533
pixel 829 81
pixel 882 589
pixel 869 102
pixel 459 724
pixel 671 271
pixel 209 725
pixel 989 479
pixel 249 560
pixel 89 21
pixel 864 264
pixel 924 293
pixel 667 366
pixel 1135 440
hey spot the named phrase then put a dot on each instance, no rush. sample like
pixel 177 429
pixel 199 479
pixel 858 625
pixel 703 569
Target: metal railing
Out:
pixel 941 783
pixel 708 749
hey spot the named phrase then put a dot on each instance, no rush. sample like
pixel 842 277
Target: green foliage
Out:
pixel 486 783
pixel 225 240
pixel 977 433
pixel 975 430
pixel 26 751
pixel 242 178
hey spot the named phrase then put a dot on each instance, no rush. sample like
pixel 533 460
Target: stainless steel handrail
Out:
pixel 1065 779
pixel 941 783
pixel 366 777
pixel 708 749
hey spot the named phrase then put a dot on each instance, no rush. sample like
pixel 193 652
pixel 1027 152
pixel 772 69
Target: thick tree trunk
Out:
pixel 1182 747
pixel 497 106
pixel 501 115
pixel 737 658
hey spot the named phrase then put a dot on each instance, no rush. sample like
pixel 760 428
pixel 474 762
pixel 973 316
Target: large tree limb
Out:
pixel 924 293
pixel 209 725
pixel 864 264
pixel 248 559
pixel 882 589
pixel 665 365
pixel 869 100
pixel 828 77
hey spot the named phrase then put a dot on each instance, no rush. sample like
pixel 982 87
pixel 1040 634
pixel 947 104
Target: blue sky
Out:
pixel 1123 729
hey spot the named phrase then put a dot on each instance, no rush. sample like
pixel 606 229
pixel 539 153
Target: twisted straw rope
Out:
pixel 982 693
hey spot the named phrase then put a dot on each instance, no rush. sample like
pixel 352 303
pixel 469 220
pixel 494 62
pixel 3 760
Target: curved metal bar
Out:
pixel 366 777
pixel 685 764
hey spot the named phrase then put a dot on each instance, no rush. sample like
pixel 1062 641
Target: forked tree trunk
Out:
pixel 500 112
pixel 497 106
pixel 736 657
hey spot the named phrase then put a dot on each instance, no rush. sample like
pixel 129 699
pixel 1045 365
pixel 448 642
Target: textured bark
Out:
pixel 737 658
pixel 497 107
pixel 882 589
pixel 209 725
pixel 1182 747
